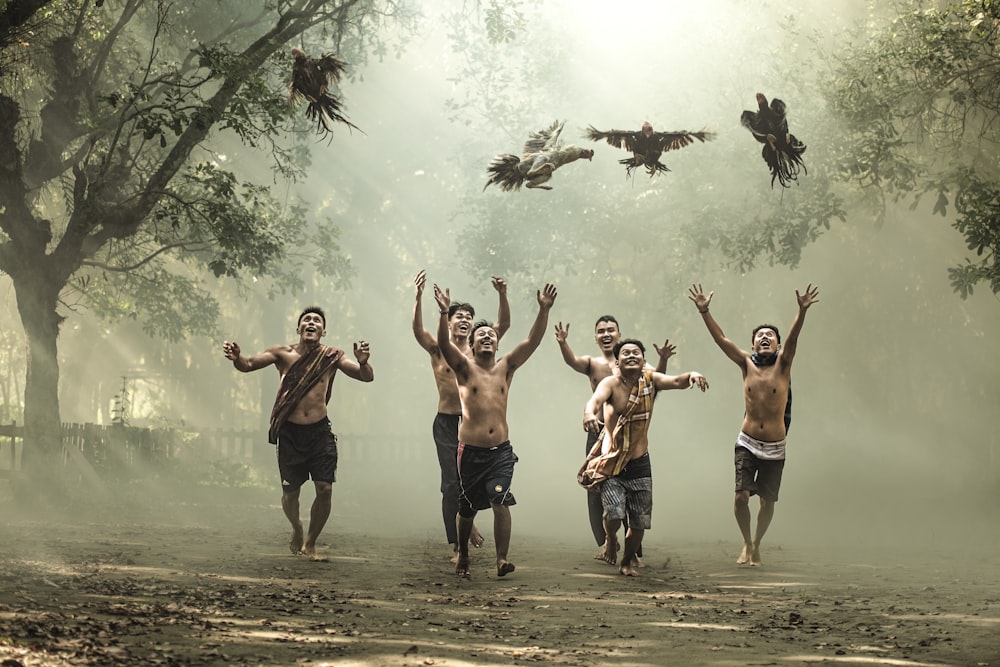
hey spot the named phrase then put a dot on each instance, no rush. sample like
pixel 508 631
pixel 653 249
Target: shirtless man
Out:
pixel 299 425
pixel 485 457
pixel 625 400
pixel 445 428
pixel 760 447
pixel 606 335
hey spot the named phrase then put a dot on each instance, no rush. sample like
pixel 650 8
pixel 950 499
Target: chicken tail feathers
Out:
pixel 652 168
pixel 785 160
pixel 325 111
pixel 504 173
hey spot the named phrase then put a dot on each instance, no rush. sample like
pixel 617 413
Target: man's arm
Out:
pixel 591 422
pixel 231 349
pixel 810 297
pixel 731 349
pixel 423 336
pixel 664 353
pixel 517 356
pixel 449 351
pixel 684 381
pixel 578 364
pixel 360 369
pixel 503 309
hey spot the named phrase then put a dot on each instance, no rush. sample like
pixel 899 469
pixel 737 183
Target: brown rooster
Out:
pixel 543 153
pixel 781 151
pixel 311 80
pixel 647 146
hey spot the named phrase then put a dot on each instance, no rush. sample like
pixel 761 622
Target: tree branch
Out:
pixel 146 260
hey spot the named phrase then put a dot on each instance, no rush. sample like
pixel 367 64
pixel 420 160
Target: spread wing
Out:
pixel 617 138
pixel 671 141
pixel 543 139
pixel 332 67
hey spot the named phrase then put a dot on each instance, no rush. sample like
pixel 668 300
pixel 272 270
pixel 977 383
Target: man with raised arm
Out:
pixel 760 447
pixel 606 335
pixel 620 461
pixel 485 457
pixel 445 427
pixel 300 427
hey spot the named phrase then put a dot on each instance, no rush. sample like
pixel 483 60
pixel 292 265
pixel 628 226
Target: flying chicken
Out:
pixel 781 151
pixel 311 80
pixel 647 146
pixel 543 153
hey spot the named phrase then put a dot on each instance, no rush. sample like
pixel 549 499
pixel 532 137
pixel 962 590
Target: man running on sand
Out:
pixel 760 447
pixel 606 335
pixel 445 428
pixel 485 457
pixel 300 428
pixel 620 460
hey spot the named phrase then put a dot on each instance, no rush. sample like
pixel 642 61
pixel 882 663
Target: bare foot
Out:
pixel 755 559
pixel 295 541
pixel 504 568
pixel 454 553
pixel 608 553
pixel 628 570
pixel 744 556
pixel 462 566
pixel 310 550
pixel 476 538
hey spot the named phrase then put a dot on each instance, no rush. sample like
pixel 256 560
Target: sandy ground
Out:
pixel 220 587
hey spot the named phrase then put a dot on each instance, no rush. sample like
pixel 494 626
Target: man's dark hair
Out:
pixel 765 326
pixel 607 318
pixel 629 341
pixel 479 325
pixel 455 307
pixel 312 309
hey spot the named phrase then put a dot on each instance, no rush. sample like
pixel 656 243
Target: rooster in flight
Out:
pixel 781 151
pixel 647 146
pixel 311 81
pixel 543 153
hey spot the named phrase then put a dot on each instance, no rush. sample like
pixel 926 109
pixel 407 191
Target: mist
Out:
pixel 899 459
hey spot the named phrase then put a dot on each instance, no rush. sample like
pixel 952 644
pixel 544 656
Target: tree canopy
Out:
pixel 119 126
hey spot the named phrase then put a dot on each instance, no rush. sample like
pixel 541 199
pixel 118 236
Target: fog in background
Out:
pixel 904 457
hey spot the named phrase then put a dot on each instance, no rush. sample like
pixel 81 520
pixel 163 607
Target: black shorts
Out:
pixel 756 475
pixel 485 474
pixel 306 450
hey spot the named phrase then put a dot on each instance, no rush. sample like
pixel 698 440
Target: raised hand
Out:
pixel 420 281
pixel 443 298
pixel 231 349
pixel 499 284
pixel 809 298
pixel 562 333
pixel 697 295
pixel 668 350
pixel 361 352
pixel 547 296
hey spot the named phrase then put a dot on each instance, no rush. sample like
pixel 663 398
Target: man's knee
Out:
pixel 743 497
pixel 324 490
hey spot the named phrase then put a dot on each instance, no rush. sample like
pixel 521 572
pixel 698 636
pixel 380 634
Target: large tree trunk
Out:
pixel 37 298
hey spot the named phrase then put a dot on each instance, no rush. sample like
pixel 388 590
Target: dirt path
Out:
pixel 124 593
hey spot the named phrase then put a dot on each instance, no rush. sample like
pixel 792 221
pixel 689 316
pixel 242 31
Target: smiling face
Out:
pixel 606 335
pixel 631 357
pixel 765 341
pixel 484 339
pixel 312 327
pixel 460 324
